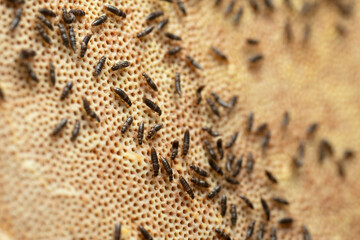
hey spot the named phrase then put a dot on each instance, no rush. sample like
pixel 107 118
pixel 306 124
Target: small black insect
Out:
pixel 150 82
pixel 198 93
pixel 237 168
pixel 238 15
pixel 223 205
pixel 181 6
pixel 141 133
pixel 309 8
pixel 100 20
pixel 154 15
pixel 233 101
pixel 27 53
pixel 52 73
pixel 75 131
pixel 261 129
pixel 47 12
pixel 173 36
pixel 341 169
pixel 269 4
pixel 63 34
pixel 99 66
pixel 218 2
pixel 222 234
pixel 46 22
pixel 220 148
pixel 254 5
pixel 77 12
pixel 232 140
pixel 256 58
pixel 178 83
pixel 348 154
pixel 214 192
pixel 232 181
pixel 68 17
pixel 273 234
pixel 127 124
pixel 123 95
pixel 200 182
pixel 219 53
pixel 250 163
pixel 31 73
pixel 187 187
pixel 174 151
pixel 252 41
pixel 16 1
pixel 174 50
pixel 288 31
pixel 193 62
pixel 285 120
pixel 297 162
pixel 344 9
pixel 163 23
pixel 286 221
pixel 229 162
pixel 301 152
pixel 17 19
pixel 325 149
pixel 213 107
pixel 215 167
pixel 326 145
pixel 145 233
pixel 266 140
pixel 2 95
pixel 306 233
pixel 72 38
pixel 210 150
pixel 311 129
pixel 270 176
pixel 250 122
pixel 266 209
pixel 186 142
pixel 199 171
pixel 247 201
pixel 230 7
pixel 261 231
pixel 60 126
pixel 219 100
pixel 120 65
pixel 66 90
pixel 233 214
pixel 117 234
pixel 280 200
pixel 167 168
pixel 154 130
pixel 84 44
pixel 152 106
pixel 210 131
pixel 155 162
pixel 43 34
pixel 250 229
pixel 145 32
pixel 88 110
pixel 115 11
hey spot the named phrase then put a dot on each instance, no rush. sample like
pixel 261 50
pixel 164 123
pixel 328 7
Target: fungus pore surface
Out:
pixel 54 188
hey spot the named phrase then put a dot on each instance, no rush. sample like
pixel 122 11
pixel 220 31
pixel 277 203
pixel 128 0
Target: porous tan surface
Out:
pixel 53 188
